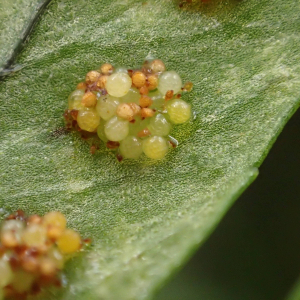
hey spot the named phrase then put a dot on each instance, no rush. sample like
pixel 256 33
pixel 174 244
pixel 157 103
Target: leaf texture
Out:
pixel 146 217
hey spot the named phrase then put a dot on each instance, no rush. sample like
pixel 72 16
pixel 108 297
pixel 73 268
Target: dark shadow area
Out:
pixel 255 251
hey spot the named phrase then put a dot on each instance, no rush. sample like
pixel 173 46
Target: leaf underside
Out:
pixel 145 217
pixel 17 20
pixel 294 294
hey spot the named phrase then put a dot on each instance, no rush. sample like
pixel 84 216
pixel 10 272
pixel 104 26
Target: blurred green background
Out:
pixel 255 251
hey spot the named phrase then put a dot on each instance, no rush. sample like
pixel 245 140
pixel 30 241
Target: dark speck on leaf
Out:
pixel 61 131
pixel 119 157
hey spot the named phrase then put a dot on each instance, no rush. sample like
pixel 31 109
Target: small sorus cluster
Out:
pixel 131 111
pixel 33 251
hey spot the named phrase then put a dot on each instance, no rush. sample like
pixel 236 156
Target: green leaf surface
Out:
pixel 146 217
pixel 294 294
pixel 15 18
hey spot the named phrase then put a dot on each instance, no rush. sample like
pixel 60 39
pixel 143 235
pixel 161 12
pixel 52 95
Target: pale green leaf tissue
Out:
pixel 144 217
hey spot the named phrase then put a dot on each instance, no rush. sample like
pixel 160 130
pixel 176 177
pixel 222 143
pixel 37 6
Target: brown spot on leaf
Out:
pixel 112 145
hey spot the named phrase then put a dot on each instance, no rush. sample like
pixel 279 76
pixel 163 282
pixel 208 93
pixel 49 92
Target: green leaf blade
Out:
pixel 17 20
pixel 294 293
pixel 145 216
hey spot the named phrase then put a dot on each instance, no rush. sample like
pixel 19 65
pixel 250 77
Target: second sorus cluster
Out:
pixel 131 111
pixel 33 252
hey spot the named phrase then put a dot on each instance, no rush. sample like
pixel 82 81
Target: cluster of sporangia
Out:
pixel 33 251
pixel 131 111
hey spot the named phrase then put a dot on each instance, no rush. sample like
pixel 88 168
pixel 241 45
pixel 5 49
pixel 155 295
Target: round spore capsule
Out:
pixel 157 66
pixel 34 235
pixel 118 84
pixel 168 81
pixel 137 126
pixel 158 100
pixel 131 147
pixel 47 266
pixel 155 147
pixel 69 241
pixel 107 107
pixel 88 119
pixel 22 281
pixel 106 69
pixel 6 274
pixel 132 96
pixel 12 225
pixel 55 218
pixel 100 131
pixel 74 100
pixel 156 95
pixel 179 111
pixel 159 125
pixel 138 79
pixel 11 232
pixel 116 129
